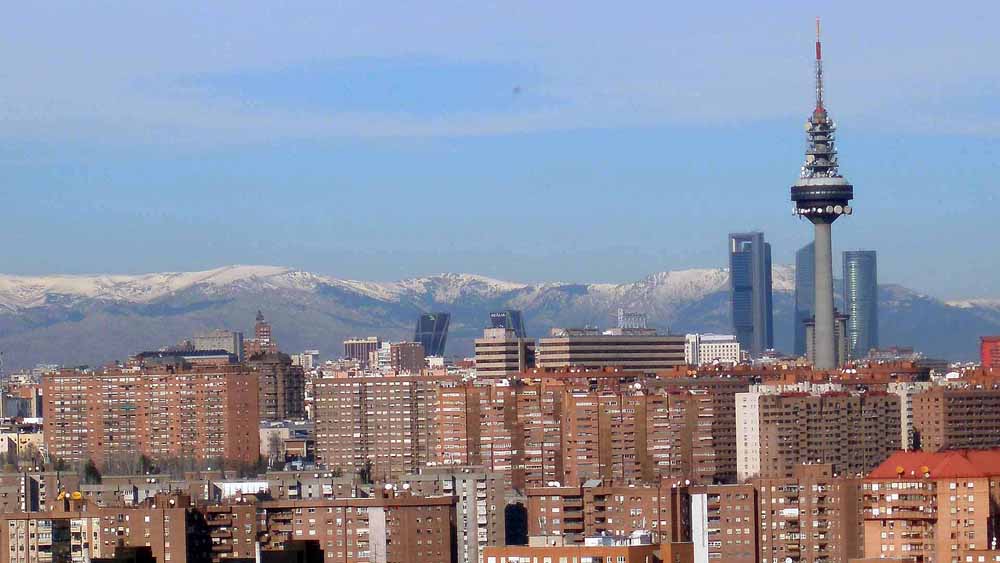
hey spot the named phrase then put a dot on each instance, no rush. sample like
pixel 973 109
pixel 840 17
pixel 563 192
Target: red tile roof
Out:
pixel 940 465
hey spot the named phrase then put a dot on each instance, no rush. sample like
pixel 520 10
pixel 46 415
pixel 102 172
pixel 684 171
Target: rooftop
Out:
pixel 939 465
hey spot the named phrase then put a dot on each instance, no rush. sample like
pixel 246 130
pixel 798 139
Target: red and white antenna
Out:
pixel 819 72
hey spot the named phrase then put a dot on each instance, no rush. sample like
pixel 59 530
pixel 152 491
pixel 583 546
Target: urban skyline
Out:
pixel 753 413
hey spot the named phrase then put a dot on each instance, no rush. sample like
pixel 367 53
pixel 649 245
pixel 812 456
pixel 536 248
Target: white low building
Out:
pixel 701 349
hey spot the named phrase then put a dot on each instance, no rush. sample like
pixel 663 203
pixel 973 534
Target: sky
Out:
pixel 530 141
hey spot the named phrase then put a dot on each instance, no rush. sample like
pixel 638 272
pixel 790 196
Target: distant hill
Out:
pixel 76 320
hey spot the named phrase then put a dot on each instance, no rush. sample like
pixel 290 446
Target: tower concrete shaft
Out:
pixel 826 357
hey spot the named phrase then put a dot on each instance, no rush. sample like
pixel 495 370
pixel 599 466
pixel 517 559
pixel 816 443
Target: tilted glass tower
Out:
pixel 432 332
pixel 861 301
pixel 822 195
pixel 805 294
pixel 510 319
pixel 750 291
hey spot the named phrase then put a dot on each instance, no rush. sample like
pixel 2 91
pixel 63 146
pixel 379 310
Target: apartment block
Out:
pixel 165 412
pixel 724 523
pixel 854 432
pixel 406 357
pixel 480 503
pixel 623 552
pixel 933 506
pixel 812 517
pixel 78 532
pixel 281 387
pixel 596 508
pixel 953 418
pixel 386 426
pixel 393 526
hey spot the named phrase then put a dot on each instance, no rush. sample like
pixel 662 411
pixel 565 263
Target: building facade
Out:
pixel 933 507
pixel 586 348
pixel 164 412
pixel 361 349
pixel 501 353
pixel 750 291
pixel 432 332
pixel 281 387
pixel 805 294
pixel 956 418
pixel 776 432
pixel 861 301
pixel 700 349
pixel 510 319
pixel 989 352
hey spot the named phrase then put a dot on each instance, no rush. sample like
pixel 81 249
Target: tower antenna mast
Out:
pixel 819 71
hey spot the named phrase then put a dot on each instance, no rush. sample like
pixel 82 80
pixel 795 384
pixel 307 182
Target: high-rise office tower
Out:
pixel 805 293
pixel 861 301
pixel 821 195
pixel 750 291
pixel 509 319
pixel 432 332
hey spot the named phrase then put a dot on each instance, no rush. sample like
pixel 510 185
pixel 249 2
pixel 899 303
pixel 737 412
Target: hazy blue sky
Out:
pixel 577 141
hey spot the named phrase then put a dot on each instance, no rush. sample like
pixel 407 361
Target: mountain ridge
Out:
pixel 97 318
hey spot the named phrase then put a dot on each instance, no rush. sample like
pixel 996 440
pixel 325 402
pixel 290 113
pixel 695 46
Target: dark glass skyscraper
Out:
pixel 805 293
pixel 861 301
pixel 509 319
pixel 750 291
pixel 432 332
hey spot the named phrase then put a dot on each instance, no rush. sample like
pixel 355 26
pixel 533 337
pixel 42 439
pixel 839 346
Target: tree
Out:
pixel 275 445
pixel 91 475
pixel 365 473
pixel 146 465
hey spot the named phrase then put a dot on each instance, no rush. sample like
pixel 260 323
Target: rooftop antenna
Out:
pixel 819 71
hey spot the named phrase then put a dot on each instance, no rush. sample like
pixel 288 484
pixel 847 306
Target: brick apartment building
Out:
pixel 853 432
pixel 609 509
pixel 479 510
pixel 954 418
pixel 534 430
pixel 281 386
pixel 394 527
pixel 812 517
pixel 383 425
pixel 933 507
pixel 77 531
pixel 724 523
pixel 201 412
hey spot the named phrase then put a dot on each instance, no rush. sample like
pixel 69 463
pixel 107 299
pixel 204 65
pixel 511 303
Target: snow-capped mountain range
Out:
pixel 90 319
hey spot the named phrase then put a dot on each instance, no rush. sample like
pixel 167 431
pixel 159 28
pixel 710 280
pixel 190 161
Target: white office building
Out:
pixel 701 349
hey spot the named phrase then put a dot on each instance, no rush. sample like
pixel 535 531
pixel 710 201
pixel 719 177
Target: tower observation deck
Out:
pixel 821 195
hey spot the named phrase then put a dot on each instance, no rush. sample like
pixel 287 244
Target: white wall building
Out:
pixel 701 349
pixel 905 391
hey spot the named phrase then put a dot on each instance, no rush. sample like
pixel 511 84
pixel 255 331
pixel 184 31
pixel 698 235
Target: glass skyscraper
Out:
pixel 861 301
pixel 509 319
pixel 750 291
pixel 432 332
pixel 805 294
